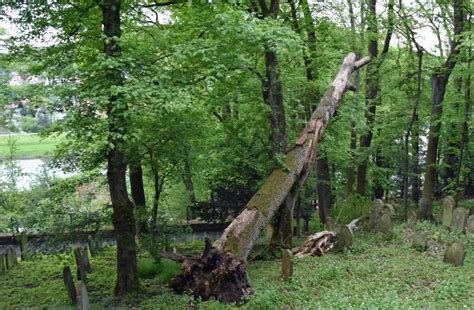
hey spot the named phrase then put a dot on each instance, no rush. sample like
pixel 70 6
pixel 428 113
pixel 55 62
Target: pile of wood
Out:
pixel 317 244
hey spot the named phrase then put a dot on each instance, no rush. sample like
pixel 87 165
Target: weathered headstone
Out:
pixel 378 203
pixel 419 241
pixel 459 219
pixel 82 262
pixel 344 238
pixel 23 245
pixel 69 283
pixel 390 209
pixel 455 254
pixel 3 263
pixel 82 296
pixel 470 225
pixel 385 224
pixel 11 257
pixel 376 214
pixel 448 206
pixel 330 223
pixel 411 220
pixel 91 243
pixel 286 264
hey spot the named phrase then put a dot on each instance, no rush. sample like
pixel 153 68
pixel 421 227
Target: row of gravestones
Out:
pixel 77 293
pixel 456 219
pixel 10 260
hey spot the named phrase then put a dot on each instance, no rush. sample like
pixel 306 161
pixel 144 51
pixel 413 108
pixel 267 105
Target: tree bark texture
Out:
pixel 123 216
pixel 323 186
pixel 138 195
pixel 439 82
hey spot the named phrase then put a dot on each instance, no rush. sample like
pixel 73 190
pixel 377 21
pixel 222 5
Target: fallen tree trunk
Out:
pixel 220 271
pixel 240 236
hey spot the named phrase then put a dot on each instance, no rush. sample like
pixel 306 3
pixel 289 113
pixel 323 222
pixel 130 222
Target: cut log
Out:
pixel 220 272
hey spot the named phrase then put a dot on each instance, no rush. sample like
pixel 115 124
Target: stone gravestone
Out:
pixel 470 225
pixel 69 283
pixel 82 296
pixel 3 262
pixel 376 214
pixel 330 223
pixel 23 245
pixel 286 264
pixel 411 220
pixel 390 209
pixel 82 262
pixel 11 257
pixel 344 237
pixel 448 205
pixel 455 254
pixel 91 243
pixel 419 241
pixel 459 219
pixel 385 225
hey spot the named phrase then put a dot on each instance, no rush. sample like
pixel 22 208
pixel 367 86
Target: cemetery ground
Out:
pixel 28 146
pixel 376 272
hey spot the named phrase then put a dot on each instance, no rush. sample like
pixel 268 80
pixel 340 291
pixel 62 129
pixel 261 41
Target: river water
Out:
pixel 30 169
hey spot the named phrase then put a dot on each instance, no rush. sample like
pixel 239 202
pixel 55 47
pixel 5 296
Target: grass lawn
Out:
pixel 29 146
pixel 375 274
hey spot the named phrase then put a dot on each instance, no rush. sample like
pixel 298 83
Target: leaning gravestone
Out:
pixel 82 262
pixel 470 226
pixel 286 264
pixel 92 244
pixel 411 220
pixel 459 219
pixel 11 257
pixel 420 241
pixel 455 254
pixel 82 296
pixel 385 225
pixel 69 283
pixel 3 262
pixel 448 205
pixel 344 238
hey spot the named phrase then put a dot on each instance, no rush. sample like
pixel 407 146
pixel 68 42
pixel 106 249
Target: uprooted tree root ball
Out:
pixel 213 274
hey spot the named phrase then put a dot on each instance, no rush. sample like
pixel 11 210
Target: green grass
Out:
pixel 29 146
pixel 375 274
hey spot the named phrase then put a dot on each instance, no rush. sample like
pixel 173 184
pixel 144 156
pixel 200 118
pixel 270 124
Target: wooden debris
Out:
pixel 317 244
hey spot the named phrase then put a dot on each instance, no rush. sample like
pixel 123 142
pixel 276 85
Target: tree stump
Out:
pixel 459 219
pixel 213 274
pixel 287 264
pixel 69 283
pixel 448 206
pixel 411 220
pixel 455 254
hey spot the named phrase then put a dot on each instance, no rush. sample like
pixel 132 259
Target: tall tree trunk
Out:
pixel 123 217
pixel 138 196
pixel 371 94
pixel 439 81
pixel 323 187
pixel 189 184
